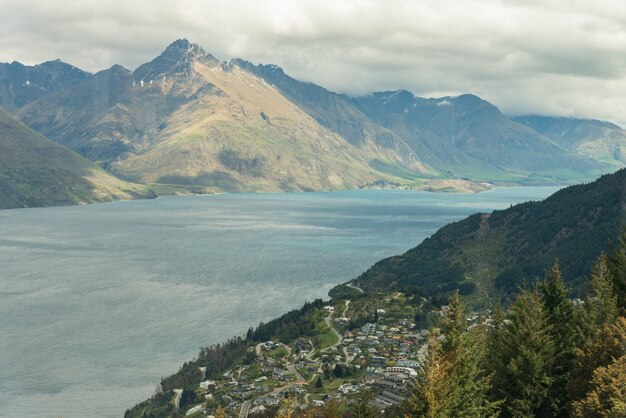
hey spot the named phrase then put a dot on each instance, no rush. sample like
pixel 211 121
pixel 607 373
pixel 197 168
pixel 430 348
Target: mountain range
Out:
pixel 187 121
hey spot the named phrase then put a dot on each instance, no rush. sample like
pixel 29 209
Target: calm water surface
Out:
pixel 98 302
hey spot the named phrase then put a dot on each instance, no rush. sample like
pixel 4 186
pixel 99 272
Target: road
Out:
pixel 292 369
pixel 355 288
pixel 329 323
pixel 178 393
pixel 245 407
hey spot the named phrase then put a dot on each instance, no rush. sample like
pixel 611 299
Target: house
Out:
pixel 257 409
pixel 195 409
pixel 205 385
pixel 378 360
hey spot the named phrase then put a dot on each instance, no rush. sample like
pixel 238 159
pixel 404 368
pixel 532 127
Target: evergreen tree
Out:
pixel 331 409
pixel 617 264
pixel 600 302
pixel 363 406
pixel 526 357
pixel 559 318
pixel 431 393
pixel 470 385
pixel 454 323
pixel 607 396
pixel 495 360
pixel 452 382
pixel 609 344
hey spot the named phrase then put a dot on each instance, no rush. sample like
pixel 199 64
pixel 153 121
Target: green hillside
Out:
pixel 491 254
pixel 37 172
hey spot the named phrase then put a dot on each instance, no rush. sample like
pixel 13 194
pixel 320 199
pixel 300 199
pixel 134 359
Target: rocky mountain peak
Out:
pixel 176 58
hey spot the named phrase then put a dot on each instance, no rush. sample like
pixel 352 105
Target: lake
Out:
pixel 98 302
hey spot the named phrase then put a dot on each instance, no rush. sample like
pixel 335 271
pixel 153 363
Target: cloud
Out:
pixel 563 57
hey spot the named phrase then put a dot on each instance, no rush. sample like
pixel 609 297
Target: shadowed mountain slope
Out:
pixel 37 172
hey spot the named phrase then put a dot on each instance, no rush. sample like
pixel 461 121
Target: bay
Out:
pixel 98 302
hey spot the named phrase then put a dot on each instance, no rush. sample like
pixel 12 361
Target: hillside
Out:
pixel 37 172
pixel 602 141
pixel 494 252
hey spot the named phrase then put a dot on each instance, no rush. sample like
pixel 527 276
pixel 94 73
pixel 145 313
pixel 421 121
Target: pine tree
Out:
pixel 331 409
pixel 617 265
pixel 431 393
pixel 496 347
pixel 600 302
pixel 470 385
pixel 454 323
pixel 526 357
pixel 607 396
pixel 363 406
pixel 559 317
pixel 609 344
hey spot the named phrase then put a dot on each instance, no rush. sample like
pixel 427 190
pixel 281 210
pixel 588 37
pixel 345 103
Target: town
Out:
pixel 373 363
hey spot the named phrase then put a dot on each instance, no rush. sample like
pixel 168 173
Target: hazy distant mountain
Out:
pixel 21 84
pixel 469 137
pixel 187 119
pixel 597 139
pixel 37 172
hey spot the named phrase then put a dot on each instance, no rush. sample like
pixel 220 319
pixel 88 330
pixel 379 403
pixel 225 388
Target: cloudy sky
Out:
pixel 558 57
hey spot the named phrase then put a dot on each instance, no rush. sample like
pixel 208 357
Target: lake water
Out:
pixel 98 302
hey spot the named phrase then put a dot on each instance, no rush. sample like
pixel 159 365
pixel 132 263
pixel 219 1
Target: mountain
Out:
pixel 602 141
pixel 489 254
pixel 185 119
pixel 462 136
pixel 466 136
pixel 21 84
pixel 37 172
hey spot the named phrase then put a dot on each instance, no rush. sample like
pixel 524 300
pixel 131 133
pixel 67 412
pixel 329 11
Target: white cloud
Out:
pixel 546 56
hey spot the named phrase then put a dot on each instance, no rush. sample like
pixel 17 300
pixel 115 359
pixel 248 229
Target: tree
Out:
pixel 454 323
pixel 331 409
pixel 526 357
pixel 617 265
pixel 431 393
pixel 219 412
pixel 318 383
pixel 600 301
pixel 363 407
pixel 609 344
pixel 470 385
pixel 607 397
pixel 559 319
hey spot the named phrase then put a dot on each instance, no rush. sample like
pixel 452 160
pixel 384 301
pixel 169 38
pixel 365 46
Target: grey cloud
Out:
pixel 562 57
